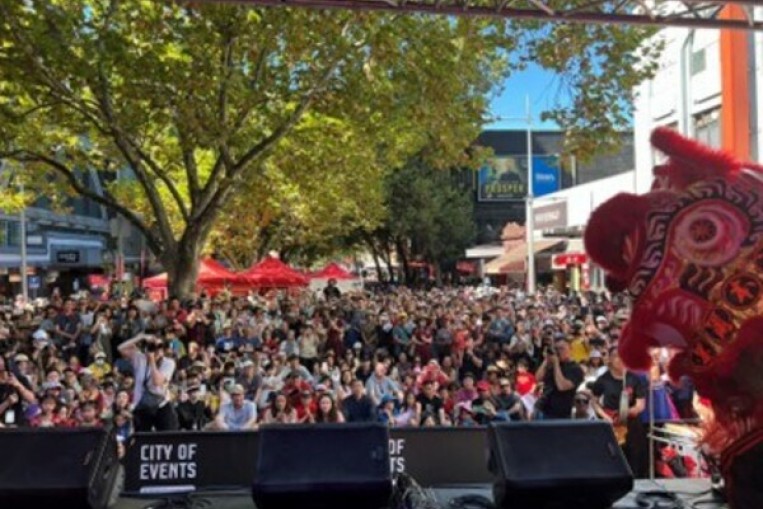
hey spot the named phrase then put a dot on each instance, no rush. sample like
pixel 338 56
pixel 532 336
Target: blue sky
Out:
pixel 543 88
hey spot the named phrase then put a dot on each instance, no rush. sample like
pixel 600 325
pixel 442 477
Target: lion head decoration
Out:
pixel 690 254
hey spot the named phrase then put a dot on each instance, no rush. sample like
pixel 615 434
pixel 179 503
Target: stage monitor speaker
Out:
pixel 323 466
pixel 60 468
pixel 557 464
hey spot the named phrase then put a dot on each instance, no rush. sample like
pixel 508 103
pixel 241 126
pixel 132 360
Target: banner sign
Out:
pixel 546 175
pixel 179 462
pixel 504 178
pixel 548 217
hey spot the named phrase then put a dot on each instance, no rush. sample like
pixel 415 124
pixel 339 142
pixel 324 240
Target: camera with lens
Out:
pixel 152 345
pixel 549 350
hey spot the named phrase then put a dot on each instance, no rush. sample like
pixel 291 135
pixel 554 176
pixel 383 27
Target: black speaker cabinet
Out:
pixel 61 468
pixel 557 464
pixel 323 466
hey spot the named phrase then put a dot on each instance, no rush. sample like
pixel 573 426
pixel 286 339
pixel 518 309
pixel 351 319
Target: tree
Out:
pixel 198 104
pixel 307 200
pixel 429 219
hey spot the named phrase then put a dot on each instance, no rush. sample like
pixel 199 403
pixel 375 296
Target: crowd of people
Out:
pixel 441 357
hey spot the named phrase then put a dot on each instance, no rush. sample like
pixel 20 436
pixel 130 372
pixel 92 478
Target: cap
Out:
pixel 483 385
pixel 21 358
pixel 100 355
pixel 386 399
pixel 193 388
pixel 503 382
pixel 321 388
pixel 595 354
pixel 237 389
pixel 51 385
pixel 40 335
pixel 492 369
pixel 502 365
pixel 199 364
pixel 247 363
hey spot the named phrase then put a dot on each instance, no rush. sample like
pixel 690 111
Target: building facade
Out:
pixel 553 172
pixel 709 86
pixel 67 249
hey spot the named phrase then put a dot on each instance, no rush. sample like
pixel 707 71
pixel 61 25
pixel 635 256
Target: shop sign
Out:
pixel 548 217
pixel 68 257
pixel 563 260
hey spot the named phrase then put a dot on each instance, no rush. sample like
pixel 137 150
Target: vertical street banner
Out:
pixel 504 178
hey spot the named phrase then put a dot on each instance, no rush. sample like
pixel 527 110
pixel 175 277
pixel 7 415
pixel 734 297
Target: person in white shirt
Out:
pixel 153 371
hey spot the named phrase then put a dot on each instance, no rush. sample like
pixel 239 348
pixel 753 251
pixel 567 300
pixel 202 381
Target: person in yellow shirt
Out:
pixel 580 349
pixel 99 368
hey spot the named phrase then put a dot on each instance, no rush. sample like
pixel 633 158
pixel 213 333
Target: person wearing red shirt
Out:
pixel 306 407
pixel 525 380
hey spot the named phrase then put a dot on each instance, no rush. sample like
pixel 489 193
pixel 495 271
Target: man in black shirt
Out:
pixel 193 414
pixel 331 292
pixel 616 406
pixel 358 407
pixel 510 407
pixel 429 404
pixel 561 377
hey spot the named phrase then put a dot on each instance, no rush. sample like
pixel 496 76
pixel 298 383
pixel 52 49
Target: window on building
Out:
pixel 707 128
pixel 698 62
pixel 10 233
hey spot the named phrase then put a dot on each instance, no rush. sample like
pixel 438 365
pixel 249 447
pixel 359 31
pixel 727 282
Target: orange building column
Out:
pixel 735 86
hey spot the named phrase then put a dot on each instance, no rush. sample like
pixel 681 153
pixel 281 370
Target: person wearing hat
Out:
pixel 238 414
pixel 386 409
pixel 561 376
pixel 249 378
pixel 484 406
pixel 153 373
pixel 193 412
pixel 99 368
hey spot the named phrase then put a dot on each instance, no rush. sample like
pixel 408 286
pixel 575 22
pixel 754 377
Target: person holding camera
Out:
pixel 561 377
pixel 153 372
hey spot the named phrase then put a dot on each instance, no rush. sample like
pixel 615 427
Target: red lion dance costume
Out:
pixel 690 254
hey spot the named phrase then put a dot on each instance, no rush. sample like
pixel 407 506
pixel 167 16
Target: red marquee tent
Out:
pixel 273 273
pixel 332 271
pixel 212 275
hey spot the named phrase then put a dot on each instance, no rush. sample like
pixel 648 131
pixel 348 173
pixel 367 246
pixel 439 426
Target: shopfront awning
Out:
pixel 515 260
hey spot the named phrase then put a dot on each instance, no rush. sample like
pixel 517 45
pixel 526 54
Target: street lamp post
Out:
pixel 529 219
pixel 22 232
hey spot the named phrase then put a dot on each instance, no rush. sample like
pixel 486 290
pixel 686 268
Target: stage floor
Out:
pixel 689 491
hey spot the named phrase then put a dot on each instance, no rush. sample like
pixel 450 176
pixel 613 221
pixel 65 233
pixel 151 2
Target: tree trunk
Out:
pixel 182 265
pixel 388 260
pixel 379 276
pixel 403 255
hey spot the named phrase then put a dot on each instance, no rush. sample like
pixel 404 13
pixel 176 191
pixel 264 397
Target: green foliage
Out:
pixel 283 120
